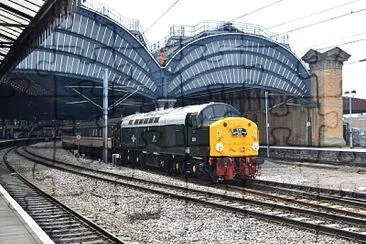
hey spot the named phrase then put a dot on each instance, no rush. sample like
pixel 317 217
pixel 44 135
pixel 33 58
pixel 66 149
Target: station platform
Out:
pixel 344 149
pixel 16 226
pixel 334 155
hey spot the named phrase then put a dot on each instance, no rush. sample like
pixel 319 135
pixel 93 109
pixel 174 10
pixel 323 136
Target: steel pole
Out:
pixel 105 116
pixel 350 122
pixel 267 122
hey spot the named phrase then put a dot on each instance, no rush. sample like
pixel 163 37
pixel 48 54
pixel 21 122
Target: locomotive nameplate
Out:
pixel 239 132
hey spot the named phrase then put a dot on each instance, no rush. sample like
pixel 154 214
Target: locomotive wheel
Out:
pixel 213 174
pixel 170 166
pixel 125 159
pixel 135 159
pixel 202 171
pixel 194 169
pixel 140 161
pixel 177 166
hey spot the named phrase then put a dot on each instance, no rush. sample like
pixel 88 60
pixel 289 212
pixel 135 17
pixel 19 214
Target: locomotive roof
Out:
pixel 168 116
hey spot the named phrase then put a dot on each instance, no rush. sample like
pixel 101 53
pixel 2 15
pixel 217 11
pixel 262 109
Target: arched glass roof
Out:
pixel 88 42
pixel 85 44
pixel 236 60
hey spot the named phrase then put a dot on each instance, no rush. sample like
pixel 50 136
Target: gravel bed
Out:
pixel 149 218
pixel 161 178
pixel 146 175
pixel 342 177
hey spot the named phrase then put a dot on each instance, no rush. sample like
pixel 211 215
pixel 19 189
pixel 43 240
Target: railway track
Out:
pixel 323 216
pixel 62 224
pixel 335 193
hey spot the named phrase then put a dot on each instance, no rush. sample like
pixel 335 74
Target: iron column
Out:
pixel 351 94
pixel 105 116
pixel 267 122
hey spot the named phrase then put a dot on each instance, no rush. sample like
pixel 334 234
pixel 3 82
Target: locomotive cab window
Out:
pixel 214 112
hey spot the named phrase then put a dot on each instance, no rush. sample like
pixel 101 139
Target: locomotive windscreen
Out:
pixel 214 112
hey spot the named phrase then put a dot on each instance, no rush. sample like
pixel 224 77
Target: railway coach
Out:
pixel 88 136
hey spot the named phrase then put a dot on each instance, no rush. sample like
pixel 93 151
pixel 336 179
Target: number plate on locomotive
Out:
pixel 239 132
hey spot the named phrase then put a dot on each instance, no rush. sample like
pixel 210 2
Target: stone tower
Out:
pixel 326 116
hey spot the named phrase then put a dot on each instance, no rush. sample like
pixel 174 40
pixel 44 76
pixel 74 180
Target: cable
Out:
pixel 341 41
pixel 161 16
pixel 256 10
pixel 310 15
pixel 320 22
pixel 346 43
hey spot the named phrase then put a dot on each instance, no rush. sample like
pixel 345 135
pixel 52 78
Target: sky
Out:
pixel 348 32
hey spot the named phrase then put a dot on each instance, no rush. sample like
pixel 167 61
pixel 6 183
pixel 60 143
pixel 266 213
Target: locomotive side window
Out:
pixel 130 122
pixel 156 119
pixel 151 120
pixel 191 120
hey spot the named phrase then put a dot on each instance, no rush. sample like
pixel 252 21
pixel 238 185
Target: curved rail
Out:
pixel 316 217
pixel 60 222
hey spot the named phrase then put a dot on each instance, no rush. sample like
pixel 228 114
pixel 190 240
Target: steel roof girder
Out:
pixel 51 12
pixel 173 91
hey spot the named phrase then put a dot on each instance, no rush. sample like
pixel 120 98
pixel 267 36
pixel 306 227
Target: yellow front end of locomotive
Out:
pixel 233 137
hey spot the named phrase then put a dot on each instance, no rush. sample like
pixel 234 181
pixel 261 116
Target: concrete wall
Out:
pixel 342 157
pixel 287 117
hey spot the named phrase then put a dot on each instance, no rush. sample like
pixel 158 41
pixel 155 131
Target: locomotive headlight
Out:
pixel 255 146
pixel 219 147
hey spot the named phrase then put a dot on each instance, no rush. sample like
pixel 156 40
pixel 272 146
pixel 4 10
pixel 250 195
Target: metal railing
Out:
pixel 206 26
pixel 130 24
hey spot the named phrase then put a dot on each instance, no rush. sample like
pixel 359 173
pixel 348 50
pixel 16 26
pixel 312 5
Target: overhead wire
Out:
pixel 319 22
pixel 161 16
pixel 311 15
pixel 324 45
pixel 347 43
pixel 256 10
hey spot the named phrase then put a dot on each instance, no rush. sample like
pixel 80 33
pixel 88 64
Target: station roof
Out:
pixel 81 46
pixel 24 24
